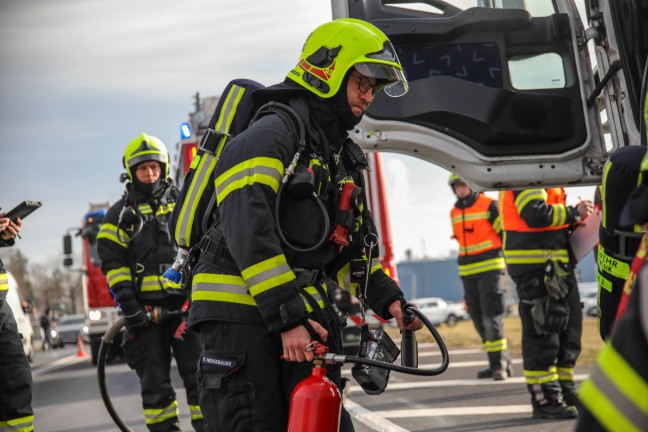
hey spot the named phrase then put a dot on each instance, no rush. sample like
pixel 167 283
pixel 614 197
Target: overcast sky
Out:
pixel 80 79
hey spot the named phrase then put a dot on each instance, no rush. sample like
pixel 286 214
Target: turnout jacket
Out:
pixel 4 279
pixel 535 224
pixel 134 262
pixel 476 226
pixel 253 277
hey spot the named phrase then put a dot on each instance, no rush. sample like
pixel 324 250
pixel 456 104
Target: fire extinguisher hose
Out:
pixel 445 360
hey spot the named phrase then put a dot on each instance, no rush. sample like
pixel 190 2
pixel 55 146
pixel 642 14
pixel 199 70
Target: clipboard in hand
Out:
pixel 586 235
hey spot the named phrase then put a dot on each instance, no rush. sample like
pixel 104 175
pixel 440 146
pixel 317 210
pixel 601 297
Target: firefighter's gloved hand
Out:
pixel 134 313
pixel 556 315
pixel 555 279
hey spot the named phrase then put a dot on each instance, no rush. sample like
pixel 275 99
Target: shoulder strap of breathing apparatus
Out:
pixel 195 211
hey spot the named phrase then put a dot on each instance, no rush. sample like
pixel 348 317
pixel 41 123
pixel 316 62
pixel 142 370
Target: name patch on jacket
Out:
pixel 224 364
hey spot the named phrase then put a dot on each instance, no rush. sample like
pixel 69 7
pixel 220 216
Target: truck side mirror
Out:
pixel 67 244
pixel 68 261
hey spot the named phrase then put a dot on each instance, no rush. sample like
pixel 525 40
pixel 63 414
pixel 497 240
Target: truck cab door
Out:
pixel 502 96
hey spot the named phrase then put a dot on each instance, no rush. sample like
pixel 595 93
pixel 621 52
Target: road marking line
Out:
pixel 58 364
pixel 371 419
pixel 455 411
pixel 449 383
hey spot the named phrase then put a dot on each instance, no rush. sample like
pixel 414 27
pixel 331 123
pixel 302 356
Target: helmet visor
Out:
pixel 394 81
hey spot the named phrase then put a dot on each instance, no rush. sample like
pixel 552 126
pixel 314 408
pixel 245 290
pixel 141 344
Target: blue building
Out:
pixel 440 277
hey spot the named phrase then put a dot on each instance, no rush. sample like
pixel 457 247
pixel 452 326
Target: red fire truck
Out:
pixel 99 304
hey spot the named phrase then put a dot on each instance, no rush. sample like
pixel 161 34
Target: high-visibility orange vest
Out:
pixel 511 220
pixel 472 228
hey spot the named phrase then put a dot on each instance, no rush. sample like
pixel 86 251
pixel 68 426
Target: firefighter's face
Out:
pixel 461 189
pixel 148 172
pixel 360 92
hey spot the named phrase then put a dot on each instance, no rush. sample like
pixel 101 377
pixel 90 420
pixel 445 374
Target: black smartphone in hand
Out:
pixel 22 210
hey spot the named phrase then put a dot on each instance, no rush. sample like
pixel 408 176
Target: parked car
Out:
pixel 20 311
pixel 589 301
pixel 439 311
pixel 68 329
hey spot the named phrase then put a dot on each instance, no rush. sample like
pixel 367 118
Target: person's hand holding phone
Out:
pixel 8 228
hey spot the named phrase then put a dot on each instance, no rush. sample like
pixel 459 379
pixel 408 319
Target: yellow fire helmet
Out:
pixel 453 179
pixel 145 148
pixel 337 46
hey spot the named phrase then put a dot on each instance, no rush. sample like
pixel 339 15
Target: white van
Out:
pixel 15 301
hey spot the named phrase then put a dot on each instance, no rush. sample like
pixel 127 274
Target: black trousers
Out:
pixel 15 374
pixel 542 352
pixel 484 297
pixel 148 352
pixel 244 384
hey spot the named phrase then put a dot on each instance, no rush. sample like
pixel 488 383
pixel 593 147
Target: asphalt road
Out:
pixel 66 397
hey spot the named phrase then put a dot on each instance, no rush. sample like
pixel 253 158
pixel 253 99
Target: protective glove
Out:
pixel 556 273
pixel 134 313
pixel 556 315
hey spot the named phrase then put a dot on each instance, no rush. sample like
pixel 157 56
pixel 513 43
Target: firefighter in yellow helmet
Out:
pixel 261 286
pixel 476 226
pixel 136 247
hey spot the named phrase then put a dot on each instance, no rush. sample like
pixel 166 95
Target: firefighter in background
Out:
pixel 617 244
pixel 16 413
pixel 536 226
pixel 476 226
pixel 260 287
pixel 136 247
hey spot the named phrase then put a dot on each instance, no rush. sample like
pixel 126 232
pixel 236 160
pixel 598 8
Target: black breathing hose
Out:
pixel 445 360
pixel 156 315
pixel 106 342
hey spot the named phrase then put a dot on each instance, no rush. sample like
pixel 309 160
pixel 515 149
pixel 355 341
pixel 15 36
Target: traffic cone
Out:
pixel 80 348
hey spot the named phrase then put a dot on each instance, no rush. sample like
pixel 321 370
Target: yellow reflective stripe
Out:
pixel 497 225
pixel 121 274
pixel 21 424
pixel 154 416
pixel 540 377
pixel 145 208
pixel 603 282
pixel 165 209
pixel 535 256
pixel 606 170
pixel 559 216
pixel 470 217
pixel 528 195
pixel 226 116
pixel 267 274
pixel 616 395
pixel 344 280
pixel 157 283
pixel 565 374
pixel 199 182
pixel 375 266
pixel 316 295
pixel 109 231
pixel 612 265
pixel 261 170
pixel 496 345
pixel 4 282
pixel 196 414
pixel 195 161
pixel 644 161
pixel 477 247
pixel 220 287
pixel 482 266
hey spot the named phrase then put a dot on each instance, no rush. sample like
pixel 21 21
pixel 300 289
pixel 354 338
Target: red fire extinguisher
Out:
pixel 316 402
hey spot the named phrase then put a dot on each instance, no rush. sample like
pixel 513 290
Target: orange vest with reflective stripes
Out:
pixel 473 229
pixel 511 220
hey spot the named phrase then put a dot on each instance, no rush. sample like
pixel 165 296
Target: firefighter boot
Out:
pixel 498 372
pixel 547 401
pixel 569 393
